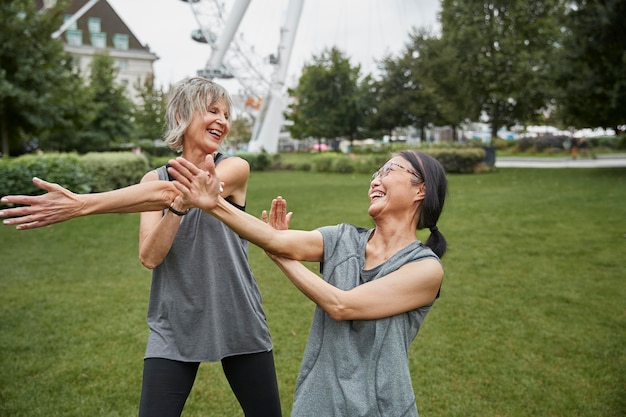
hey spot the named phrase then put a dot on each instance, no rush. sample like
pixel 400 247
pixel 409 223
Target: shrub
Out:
pixel 65 169
pixel 617 142
pixel 323 162
pixel 459 161
pixel 111 170
pixel 258 162
pixel 343 164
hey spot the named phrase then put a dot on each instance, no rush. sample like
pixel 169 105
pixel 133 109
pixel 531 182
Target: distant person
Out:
pixel 204 305
pixel 378 284
pixel 584 147
pixel 574 148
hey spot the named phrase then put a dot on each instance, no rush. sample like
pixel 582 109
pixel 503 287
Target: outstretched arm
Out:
pixel 412 286
pixel 202 189
pixel 60 204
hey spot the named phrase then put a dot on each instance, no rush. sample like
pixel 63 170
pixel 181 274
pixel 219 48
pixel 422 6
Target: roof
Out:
pixel 110 22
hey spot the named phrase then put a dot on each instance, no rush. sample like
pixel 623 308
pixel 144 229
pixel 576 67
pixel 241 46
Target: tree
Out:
pixel 34 73
pixel 327 99
pixel 591 72
pixel 240 130
pixel 149 114
pixel 504 50
pixel 75 110
pixel 451 99
pixel 111 123
pixel 393 92
pixel 407 92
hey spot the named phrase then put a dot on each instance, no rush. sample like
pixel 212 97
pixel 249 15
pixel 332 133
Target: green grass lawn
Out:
pixel 531 320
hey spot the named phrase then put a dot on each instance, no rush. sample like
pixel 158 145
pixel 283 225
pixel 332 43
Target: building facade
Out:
pixel 92 27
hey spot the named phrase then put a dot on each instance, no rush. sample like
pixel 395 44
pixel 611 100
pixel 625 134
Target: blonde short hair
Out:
pixel 191 95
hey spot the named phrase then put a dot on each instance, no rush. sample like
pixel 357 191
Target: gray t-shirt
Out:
pixel 358 367
pixel 205 304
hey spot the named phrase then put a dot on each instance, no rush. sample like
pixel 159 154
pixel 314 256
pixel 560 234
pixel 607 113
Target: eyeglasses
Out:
pixel 388 167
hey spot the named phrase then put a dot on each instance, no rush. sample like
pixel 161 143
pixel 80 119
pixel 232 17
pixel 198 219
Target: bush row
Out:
pixel 97 172
pixel 92 172
pixel 556 143
pixel 467 160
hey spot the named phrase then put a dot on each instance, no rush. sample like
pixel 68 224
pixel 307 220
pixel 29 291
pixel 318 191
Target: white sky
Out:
pixel 364 30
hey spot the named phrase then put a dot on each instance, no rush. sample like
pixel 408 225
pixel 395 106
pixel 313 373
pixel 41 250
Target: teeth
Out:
pixel 215 132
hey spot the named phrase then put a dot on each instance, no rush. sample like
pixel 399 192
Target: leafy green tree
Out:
pixel 451 99
pixel 592 69
pixel 368 100
pixel 327 101
pixel 406 93
pixel 34 73
pixel 111 123
pixel 149 113
pixel 391 103
pixel 240 130
pixel 75 111
pixel 504 51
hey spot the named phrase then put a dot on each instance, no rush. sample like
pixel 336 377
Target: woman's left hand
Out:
pixel 278 218
pixel 199 188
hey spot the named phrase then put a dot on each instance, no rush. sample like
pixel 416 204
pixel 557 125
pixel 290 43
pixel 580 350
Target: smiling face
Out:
pixel 208 128
pixel 198 113
pixel 395 188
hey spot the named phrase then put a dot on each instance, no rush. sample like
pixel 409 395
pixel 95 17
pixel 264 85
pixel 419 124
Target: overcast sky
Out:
pixel 365 30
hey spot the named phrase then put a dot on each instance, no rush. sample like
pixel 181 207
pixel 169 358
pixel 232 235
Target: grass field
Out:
pixel 531 320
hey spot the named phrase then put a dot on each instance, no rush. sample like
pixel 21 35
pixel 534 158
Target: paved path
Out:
pixel 601 161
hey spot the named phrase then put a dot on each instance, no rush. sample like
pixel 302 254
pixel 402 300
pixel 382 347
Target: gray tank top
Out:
pixel 205 304
pixel 358 367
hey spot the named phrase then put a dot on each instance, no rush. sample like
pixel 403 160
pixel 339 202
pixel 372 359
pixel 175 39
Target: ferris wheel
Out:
pixel 232 57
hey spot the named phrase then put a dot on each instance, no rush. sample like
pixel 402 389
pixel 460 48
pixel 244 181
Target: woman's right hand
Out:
pixel 57 205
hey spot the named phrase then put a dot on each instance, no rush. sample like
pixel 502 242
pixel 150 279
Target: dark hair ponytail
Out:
pixel 436 186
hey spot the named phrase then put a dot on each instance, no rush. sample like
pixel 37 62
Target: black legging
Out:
pixel 167 384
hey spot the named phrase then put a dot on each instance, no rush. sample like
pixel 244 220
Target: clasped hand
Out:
pixel 199 188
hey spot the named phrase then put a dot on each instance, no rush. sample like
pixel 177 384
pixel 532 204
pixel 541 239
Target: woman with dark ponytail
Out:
pixel 378 284
pixel 433 175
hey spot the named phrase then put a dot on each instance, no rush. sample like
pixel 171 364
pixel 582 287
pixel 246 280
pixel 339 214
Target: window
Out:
pixel 120 41
pixel 93 23
pixel 122 64
pixel 99 40
pixel 74 37
pixel 68 17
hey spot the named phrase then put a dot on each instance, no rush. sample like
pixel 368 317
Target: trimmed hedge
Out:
pixel 98 172
pixel 65 169
pixel 111 170
pixel 94 172
pixel 458 161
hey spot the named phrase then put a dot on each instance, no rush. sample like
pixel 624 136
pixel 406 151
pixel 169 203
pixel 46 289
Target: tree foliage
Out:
pixel 328 101
pixel 504 50
pixel 111 122
pixel 35 73
pixel 592 70
pixel 149 114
